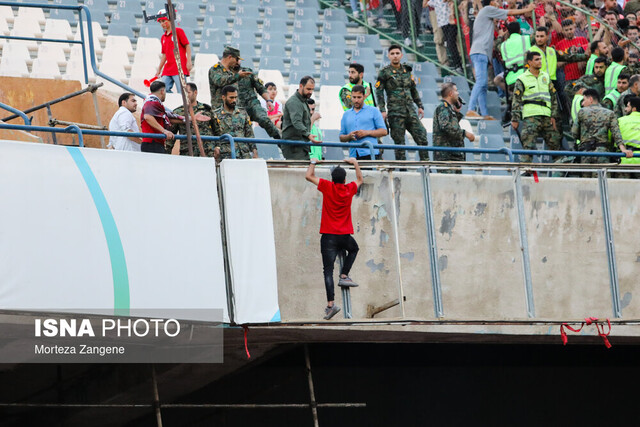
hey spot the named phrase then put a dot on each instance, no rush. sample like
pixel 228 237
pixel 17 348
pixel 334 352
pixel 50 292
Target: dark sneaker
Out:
pixel 347 282
pixel 329 312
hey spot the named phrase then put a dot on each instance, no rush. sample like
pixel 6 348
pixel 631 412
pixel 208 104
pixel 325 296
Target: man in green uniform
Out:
pixel 618 56
pixel 513 52
pixel 296 121
pixel 226 72
pixel 593 81
pixel 633 90
pixel 356 74
pixel 396 80
pixel 446 126
pixel 535 105
pixel 610 101
pixel 592 129
pixel 630 133
pixel 205 128
pixel 233 120
pixel 598 49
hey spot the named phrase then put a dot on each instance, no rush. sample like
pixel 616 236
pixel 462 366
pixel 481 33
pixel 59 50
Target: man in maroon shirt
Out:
pixel 168 69
pixel 336 226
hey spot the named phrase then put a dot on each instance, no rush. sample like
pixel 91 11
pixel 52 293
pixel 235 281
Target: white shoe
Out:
pixel 407 41
pixel 356 14
pixel 382 23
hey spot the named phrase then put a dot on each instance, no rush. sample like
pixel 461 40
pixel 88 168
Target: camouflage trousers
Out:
pixel 534 127
pixel 444 156
pixel 260 116
pixel 242 150
pixel 595 160
pixel 412 124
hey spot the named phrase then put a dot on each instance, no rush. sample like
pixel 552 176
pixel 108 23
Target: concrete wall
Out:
pixel 478 245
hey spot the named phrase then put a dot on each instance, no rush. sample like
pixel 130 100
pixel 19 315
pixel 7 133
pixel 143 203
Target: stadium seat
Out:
pixel 306 65
pixel 45 68
pixel 274 38
pixel 247 50
pixel 57 29
pixel 490 127
pixel 75 70
pixel 147 45
pixel 189 20
pixel 334 51
pixel 274 25
pixel 367 40
pixel 335 15
pixel 334 28
pixel 426 82
pixel 26 26
pixel 272 62
pixel 64 14
pixel 267 151
pixel 461 82
pixel 305 26
pixel 428 96
pixel 330 107
pixel 306 41
pixel 307 3
pixel 247 12
pixel 118 42
pixel 492 141
pixel 366 54
pixel 429 109
pixel 51 52
pixel 123 17
pixel 118 29
pixel 425 69
pixel 334 64
pixel 332 40
pixel 31 13
pixel 252 3
pixel 387 154
pixel 274 3
pixel 217 9
pixel 212 47
pixel 276 13
pixel 100 5
pixel 332 78
pixel 151 30
pixel 13 67
pixel 332 153
pixel 270 49
pixel 4 30
pixel 306 13
pixel 216 35
pixel 215 21
pixel 493 98
pixel 299 50
pixel 245 24
pixel 6 13
pixel 16 51
pixel 294 79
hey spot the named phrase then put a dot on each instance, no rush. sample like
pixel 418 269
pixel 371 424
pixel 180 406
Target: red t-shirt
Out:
pixel 170 67
pixel 156 109
pixel 336 207
pixel 571 70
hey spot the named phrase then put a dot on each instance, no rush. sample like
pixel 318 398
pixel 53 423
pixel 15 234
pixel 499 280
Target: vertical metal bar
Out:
pixel 431 240
pixel 462 51
pixel 312 393
pixel 396 239
pixel 608 233
pixel 346 291
pixel 156 396
pixel 96 107
pixel 84 51
pixel 50 116
pixel 410 15
pixel 524 244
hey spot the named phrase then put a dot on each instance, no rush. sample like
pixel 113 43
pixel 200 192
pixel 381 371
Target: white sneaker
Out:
pixel 356 14
pixel 382 23
pixel 407 41
pixel 419 43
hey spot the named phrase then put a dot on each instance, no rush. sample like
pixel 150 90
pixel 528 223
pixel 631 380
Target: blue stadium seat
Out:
pixel 276 13
pixel 307 3
pixel 249 3
pixel 272 63
pixel 247 11
pixel 65 14
pixel 429 109
pixel 151 30
pixel 492 141
pixel 490 127
pixel 333 64
pixel 425 69
pixel 426 82
pixel 98 6
pixel 387 154
pixel 336 28
pixel 274 37
pixel 368 40
pixel 305 65
pixel 274 3
pixel 245 35
pixel 305 26
pixel 306 13
pixel 215 22
pixel 272 49
pixel 132 6
pixel 332 40
pixel 124 17
pixel 460 82
pixel 220 9
pixel 336 15
pixel 190 35
pixel 296 76
pixel 495 111
pixel 244 23
pixel 469 157
pixel 332 153
pixel 363 54
pixel 266 151
pixel 302 51
pixel 306 40
pixel 493 98
pixel 212 46
pixel 188 20
pixel 333 78
pixel 118 29
pixel 214 35
pixel 247 50
pixel 428 96
pixel 274 25
pixel 515 144
pixel 334 51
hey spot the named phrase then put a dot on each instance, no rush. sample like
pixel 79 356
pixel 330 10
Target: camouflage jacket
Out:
pixel 588 82
pixel 220 77
pixel 247 88
pixel 400 87
pixel 619 108
pixel 446 127
pixel 205 129
pixel 236 124
pixel 593 126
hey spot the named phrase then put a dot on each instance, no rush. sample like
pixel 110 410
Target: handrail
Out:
pixel 16 111
pixel 410 49
pixel 92 54
pixel 509 152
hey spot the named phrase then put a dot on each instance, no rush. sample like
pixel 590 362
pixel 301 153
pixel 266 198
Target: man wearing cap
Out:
pixel 168 69
pixel 226 72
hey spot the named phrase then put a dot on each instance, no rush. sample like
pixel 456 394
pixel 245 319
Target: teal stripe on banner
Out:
pixel 116 252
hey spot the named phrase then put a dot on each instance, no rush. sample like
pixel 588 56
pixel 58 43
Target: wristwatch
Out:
pixel 314 161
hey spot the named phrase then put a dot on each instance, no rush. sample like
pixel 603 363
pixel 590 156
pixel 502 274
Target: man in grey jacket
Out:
pixel 296 121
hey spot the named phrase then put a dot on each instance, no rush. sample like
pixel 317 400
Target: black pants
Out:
pixel 153 147
pixel 450 33
pixel 416 14
pixel 330 246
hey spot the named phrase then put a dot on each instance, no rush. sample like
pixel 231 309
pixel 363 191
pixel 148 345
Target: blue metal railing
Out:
pixel 82 41
pixel 16 111
pixel 508 152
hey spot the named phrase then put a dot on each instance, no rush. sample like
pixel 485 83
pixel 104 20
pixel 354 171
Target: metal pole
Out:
pixel 84 50
pixel 410 15
pixel 312 394
pixel 53 135
pixel 18 113
pixel 98 119
pixel 462 51
pixel 396 241
pixel 608 233
pixel 156 396
pixel 524 244
pixel 431 239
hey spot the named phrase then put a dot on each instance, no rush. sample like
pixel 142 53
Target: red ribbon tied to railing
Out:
pixel 588 321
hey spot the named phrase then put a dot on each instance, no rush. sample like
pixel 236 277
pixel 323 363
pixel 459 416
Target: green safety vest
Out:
pixel 611 77
pixel 549 60
pixel 535 89
pixel 613 96
pixel 590 63
pixel 368 100
pixel 514 52
pixel 576 105
pixel 630 131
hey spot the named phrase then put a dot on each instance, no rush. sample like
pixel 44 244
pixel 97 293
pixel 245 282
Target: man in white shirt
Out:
pixel 123 121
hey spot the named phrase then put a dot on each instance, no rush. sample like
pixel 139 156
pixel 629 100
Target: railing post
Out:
pixel 431 239
pixel 18 112
pixel 79 132
pixel 231 143
pixel 524 244
pixel 608 233
pixel 462 50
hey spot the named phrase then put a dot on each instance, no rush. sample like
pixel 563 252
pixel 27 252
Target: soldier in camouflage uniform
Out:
pixel 593 81
pixel 592 129
pixel 534 107
pixel 396 80
pixel 226 72
pixel 205 128
pixel 633 90
pixel 248 100
pixel 446 126
pixel 609 101
pixel 232 120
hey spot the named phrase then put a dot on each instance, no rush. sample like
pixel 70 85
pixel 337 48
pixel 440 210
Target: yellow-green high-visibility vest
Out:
pixel 590 63
pixel 613 96
pixel 536 91
pixel 611 77
pixel 630 131
pixel 576 105
pixel 549 60
pixel 514 52
pixel 368 100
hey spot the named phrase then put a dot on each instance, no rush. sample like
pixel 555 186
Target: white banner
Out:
pixel 89 229
pixel 250 240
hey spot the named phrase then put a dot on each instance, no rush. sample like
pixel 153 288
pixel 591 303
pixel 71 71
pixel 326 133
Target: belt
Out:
pixel 540 103
pixel 590 145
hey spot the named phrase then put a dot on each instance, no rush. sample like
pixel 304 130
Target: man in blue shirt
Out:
pixel 362 123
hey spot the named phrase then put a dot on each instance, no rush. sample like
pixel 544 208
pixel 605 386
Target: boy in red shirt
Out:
pixel 168 69
pixel 336 226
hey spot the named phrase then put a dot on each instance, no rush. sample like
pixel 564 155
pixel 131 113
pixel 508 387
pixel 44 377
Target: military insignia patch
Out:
pixel 216 66
pixel 517 92
pixel 378 84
